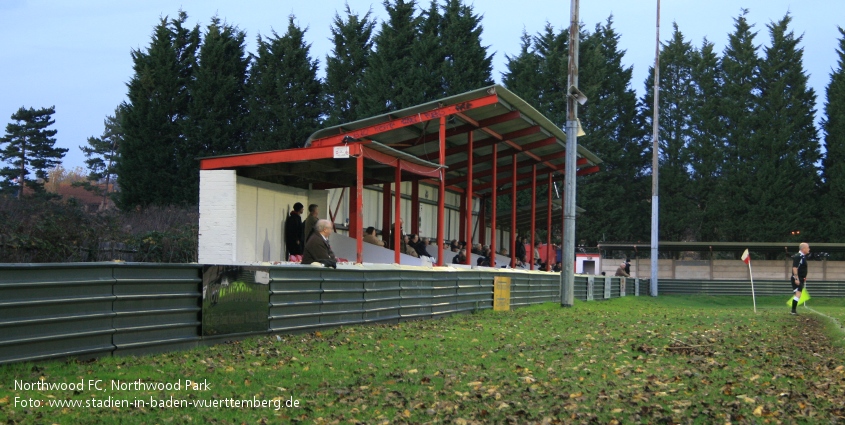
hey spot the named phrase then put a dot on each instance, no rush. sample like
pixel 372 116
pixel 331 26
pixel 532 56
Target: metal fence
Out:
pixel 99 309
pixel 734 287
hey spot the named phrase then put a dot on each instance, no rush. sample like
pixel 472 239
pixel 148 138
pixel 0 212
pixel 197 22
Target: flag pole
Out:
pixel 753 297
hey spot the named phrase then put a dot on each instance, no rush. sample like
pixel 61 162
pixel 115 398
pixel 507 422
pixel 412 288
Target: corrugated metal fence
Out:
pixel 735 287
pixel 97 309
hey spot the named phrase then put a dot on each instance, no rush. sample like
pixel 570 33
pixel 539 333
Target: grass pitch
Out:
pixel 669 359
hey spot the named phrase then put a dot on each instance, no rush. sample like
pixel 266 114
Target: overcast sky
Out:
pixel 76 54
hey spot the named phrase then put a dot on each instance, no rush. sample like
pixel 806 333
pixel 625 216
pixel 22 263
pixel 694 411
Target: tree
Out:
pixel 522 74
pixel 740 92
pixel 156 164
pixel 285 96
pixel 429 55
pixel 787 143
pixel 345 67
pixel 615 199
pixel 29 148
pixel 390 83
pixel 707 143
pixel 833 163
pixel 679 215
pixel 466 64
pixel 102 155
pixel 217 111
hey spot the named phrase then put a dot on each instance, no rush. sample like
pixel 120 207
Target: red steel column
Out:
pixel 462 210
pixel 549 259
pixel 385 214
pixel 441 193
pixel 493 212
pixel 513 211
pixel 533 213
pixel 359 210
pixel 397 214
pixel 468 197
pixel 415 207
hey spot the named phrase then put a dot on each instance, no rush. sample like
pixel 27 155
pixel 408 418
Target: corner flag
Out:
pixel 747 260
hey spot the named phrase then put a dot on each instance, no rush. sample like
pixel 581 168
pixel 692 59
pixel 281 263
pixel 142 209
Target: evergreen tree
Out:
pixel 522 74
pixel 102 155
pixel 787 143
pixel 29 148
pixel 706 146
pixel 553 51
pixel 390 81
pixel 156 165
pixel 740 91
pixel 217 108
pixel 345 67
pixel 466 65
pixel 285 95
pixel 678 213
pixel 429 54
pixel 614 198
pixel 834 160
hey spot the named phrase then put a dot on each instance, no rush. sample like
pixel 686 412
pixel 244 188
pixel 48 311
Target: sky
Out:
pixel 76 54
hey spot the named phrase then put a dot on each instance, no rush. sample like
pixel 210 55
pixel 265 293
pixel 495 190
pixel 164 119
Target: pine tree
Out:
pixel 345 67
pixel 706 146
pixel 614 198
pixel 466 65
pixel 553 51
pixel 678 215
pixel 429 55
pixel 285 95
pixel 390 83
pixel 741 76
pixel 786 141
pixel 217 109
pixel 29 149
pixel 156 165
pixel 522 74
pixel 102 155
pixel 834 160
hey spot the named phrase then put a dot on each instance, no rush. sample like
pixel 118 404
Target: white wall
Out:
pixel 218 215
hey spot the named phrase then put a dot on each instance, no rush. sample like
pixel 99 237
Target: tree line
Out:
pixel 740 156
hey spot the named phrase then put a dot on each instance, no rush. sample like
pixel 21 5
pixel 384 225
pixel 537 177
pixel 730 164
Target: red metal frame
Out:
pixel 408 121
pixel 359 207
pixel 468 197
pixel 397 234
pixel 415 207
pixel 513 211
pixel 441 192
pixel 493 212
pixel 533 214
pixel 549 228
pixel 274 157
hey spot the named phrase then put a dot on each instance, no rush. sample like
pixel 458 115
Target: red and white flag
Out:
pixel 746 258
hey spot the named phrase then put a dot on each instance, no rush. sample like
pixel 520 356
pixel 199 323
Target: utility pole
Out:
pixel 573 97
pixel 654 160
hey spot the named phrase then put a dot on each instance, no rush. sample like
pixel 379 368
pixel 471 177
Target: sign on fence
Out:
pixel 502 294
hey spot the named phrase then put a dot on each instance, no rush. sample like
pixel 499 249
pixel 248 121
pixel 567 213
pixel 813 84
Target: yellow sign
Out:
pixel 502 294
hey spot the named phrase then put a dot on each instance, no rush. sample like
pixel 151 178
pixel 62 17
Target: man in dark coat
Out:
pixel 293 230
pixel 317 248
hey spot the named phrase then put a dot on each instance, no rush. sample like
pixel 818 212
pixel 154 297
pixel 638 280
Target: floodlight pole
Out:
pixel 567 277
pixel 654 159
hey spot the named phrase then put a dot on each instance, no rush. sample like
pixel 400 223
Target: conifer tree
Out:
pixel 285 95
pixel 29 148
pixel 102 155
pixel 834 160
pixel 786 142
pixel 345 67
pixel 466 64
pixel 522 74
pixel 390 83
pixel 553 51
pixel 740 91
pixel 156 165
pixel 706 146
pixel 217 108
pixel 614 198
pixel 429 54
pixel 676 111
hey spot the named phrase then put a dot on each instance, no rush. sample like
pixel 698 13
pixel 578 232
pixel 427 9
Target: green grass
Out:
pixel 669 359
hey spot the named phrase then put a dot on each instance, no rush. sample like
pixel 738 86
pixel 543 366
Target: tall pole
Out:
pixel 567 278
pixel 654 156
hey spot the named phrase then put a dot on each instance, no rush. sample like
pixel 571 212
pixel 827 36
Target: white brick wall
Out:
pixel 218 215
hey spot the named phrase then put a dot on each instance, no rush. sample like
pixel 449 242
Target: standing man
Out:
pixel 799 273
pixel 293 231
pixel 310 221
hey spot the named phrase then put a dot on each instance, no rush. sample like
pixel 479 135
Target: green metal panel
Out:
pixel 382 296
pixel 743 288
pixel 343 297
pixel 156 307
pixel 295 298
pixel 444 291
pixel 55 310
pixel 473 294
pixel 416 293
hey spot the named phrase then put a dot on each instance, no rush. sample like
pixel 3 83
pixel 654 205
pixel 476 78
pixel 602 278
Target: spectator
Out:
pixel 310 221
pixel 407 248
pixel 293 231
pixel 461 258
pixel 620 271
pixel 419 246
pixel 370 236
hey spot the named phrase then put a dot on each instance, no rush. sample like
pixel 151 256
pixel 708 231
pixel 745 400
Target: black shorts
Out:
pixel 797 286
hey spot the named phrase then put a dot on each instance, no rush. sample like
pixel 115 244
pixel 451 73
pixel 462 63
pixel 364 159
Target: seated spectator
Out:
pixel 419 246
pixel 454 246
pixel 408 249
pixel 621 270
pixel 558 267
pixel 476 249
pixel 484 259
pixel 461 258
pixel 503 252
pixel 370 236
